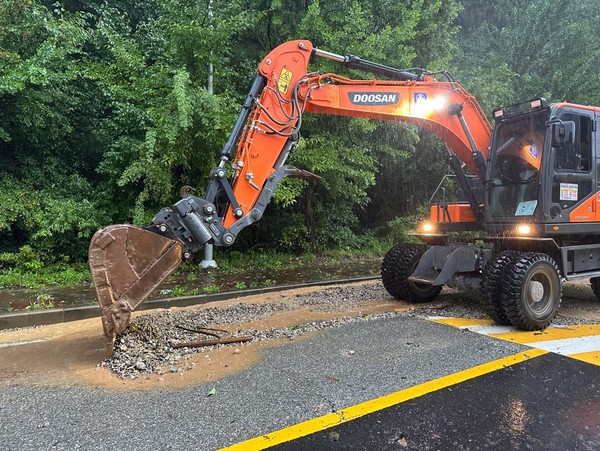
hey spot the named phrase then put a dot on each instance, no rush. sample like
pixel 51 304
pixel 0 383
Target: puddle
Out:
pixel 61 355
pixel 201 282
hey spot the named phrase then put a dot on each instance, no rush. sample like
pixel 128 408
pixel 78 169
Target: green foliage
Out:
pixel 234 261
pixel 103 117
pixel 67 275
pixel 513 50
pixel 45 196
pixel 398 230
pixel 43 301
pixel 24 260
pixel 181 291
pixel 105 114
pixel 358 160
pixel 268 283
pixel 211 289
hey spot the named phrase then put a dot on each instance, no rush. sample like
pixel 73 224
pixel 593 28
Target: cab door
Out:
pixel 573 185
pixel 596 156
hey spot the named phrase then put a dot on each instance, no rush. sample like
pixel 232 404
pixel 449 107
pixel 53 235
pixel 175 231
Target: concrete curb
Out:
pixel 53 316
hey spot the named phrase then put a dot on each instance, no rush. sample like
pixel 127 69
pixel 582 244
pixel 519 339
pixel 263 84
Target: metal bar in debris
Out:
pixel 222 341
pixel 199 331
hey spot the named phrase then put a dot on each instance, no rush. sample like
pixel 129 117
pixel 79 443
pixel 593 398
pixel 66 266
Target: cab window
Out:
pixel 577 156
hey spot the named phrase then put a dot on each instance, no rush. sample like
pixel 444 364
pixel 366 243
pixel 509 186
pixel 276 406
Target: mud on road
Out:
pixel 147 356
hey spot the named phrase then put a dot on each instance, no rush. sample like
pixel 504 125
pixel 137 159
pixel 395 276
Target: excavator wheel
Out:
pixel 531 291
pixel 491 286
pixel 595 282
pixel 398 264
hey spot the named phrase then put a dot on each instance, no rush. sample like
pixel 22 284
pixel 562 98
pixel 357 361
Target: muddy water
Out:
pixel 196 283
pixel 66 354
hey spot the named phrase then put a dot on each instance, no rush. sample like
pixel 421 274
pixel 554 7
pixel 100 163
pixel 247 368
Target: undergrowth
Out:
pixel 25 270
pixel 63 275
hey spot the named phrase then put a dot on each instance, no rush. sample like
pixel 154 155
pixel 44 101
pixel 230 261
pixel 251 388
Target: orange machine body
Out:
pixel 452 213
pixel 290 90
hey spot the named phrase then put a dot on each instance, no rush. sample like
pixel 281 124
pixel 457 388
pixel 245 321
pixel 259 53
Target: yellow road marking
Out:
pixel 460 322
pixel 588 357
pixel 373 405
pixel 580 342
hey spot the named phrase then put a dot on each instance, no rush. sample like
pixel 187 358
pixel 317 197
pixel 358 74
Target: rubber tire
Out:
pixel 398 264
pixel 595 282
pixel 519 306
pixel 491 285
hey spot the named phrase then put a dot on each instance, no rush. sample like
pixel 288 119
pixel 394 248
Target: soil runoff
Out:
pixel 151 343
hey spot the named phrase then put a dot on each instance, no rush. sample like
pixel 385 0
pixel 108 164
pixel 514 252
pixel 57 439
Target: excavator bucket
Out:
pixel 127 264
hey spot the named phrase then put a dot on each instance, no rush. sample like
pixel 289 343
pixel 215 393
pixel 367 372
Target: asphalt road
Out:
pixel 337 368
pixel 390 383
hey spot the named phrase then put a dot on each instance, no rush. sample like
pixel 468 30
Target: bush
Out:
pixel 25 260
pixel 399 229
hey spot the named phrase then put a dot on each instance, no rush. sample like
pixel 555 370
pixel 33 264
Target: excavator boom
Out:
pixel 128 262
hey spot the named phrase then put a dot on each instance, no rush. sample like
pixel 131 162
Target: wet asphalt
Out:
pixel 547 403
pixel 304 379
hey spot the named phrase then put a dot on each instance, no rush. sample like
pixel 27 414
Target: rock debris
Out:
pixel 147 346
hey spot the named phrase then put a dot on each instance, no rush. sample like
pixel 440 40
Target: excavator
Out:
pixel 523 216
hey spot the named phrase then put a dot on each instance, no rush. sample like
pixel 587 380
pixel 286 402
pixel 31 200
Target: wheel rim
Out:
pixel 539 291
pixel 536 291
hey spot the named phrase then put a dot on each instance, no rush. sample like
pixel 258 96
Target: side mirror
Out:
pixel 563 133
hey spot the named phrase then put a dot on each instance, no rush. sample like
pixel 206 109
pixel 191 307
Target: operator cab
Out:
pixel 542 170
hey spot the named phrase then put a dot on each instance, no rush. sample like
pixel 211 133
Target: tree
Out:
pixel 349 154
pixel 45 195
pixel 105 112
pixel 517 50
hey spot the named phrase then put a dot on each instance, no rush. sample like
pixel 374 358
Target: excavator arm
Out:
pixel 128 262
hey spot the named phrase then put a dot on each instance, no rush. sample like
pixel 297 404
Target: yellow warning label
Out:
pixel 285 78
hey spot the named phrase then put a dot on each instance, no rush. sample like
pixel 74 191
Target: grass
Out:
pixel 230 262
pixel 42 301
pixel 234 262
pixel 63 275
pixel 32 273
pixel 211 289
pixel 183 291
pixel 240 285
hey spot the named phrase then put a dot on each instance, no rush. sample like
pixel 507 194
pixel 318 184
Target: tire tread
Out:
pixel 512 285
pixel 396 268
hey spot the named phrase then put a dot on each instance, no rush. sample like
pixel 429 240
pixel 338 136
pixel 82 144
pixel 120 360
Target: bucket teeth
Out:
pixel 127 264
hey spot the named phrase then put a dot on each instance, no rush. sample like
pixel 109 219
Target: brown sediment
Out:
pixel 71 353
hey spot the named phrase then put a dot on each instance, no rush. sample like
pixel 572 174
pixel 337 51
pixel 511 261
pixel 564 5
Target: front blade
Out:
pixel 127 264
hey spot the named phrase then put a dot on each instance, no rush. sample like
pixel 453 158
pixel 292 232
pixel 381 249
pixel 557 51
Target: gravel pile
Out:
pixel 149 344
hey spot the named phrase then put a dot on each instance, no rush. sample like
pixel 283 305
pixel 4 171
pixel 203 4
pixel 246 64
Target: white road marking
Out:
pixel 563 346
pixel 488 329
pixel 569 346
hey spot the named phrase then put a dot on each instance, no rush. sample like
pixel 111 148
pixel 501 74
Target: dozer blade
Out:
pixel 127 264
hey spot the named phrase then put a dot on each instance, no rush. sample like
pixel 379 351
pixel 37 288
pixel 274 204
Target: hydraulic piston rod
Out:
pixel 354 62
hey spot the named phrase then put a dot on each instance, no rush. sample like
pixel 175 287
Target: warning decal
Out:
pixel 568 191
pixel 285 78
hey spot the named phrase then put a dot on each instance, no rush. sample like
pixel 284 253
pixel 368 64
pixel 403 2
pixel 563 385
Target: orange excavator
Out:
pixel 532 197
